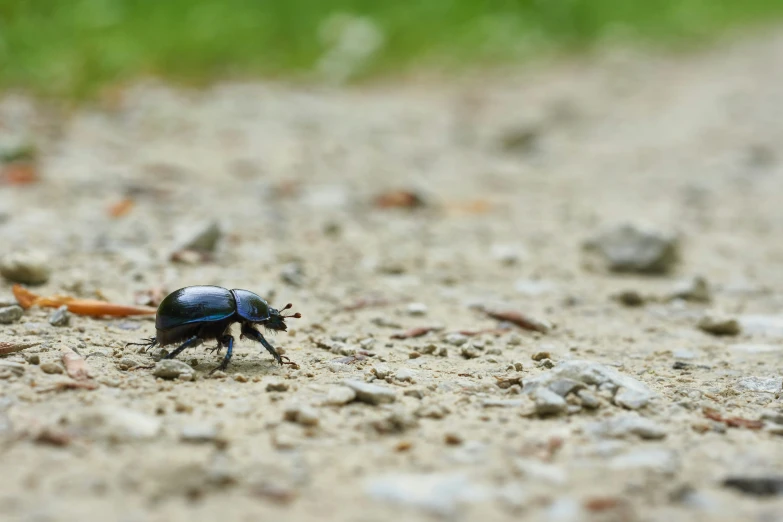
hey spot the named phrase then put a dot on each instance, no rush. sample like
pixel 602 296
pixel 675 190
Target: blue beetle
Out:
pixel 195 314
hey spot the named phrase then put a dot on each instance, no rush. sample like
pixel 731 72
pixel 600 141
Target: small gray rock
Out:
pixel 28 268
pixel 631 398
pixel 549 402
pixel 719 325
pixel 10 314
pixel 469 352
pixel 563 387
pixel 60 317
pixel 761 384
pixel 276 385
pixel 625 425
pixel 371 393
pixel 204 238
pixel 695 289
pixel 630 248
pixel 405 375
pixel 52 368
pixel 199 433
pixel 416 309
pixel 456 339
pixel 589 399
pixel 172 369
pixel 339 395
pixel 301 414
pixel 396 421
pixel 116 424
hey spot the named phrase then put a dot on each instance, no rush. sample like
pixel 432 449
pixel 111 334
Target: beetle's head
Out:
pixel 276 320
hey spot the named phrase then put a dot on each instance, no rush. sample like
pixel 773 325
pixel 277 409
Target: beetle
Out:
pixel 194 314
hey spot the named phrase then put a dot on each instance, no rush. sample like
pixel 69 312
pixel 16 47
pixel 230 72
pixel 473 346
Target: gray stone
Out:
pixel 416 309
pixel 589 399
pixel 761 384
pixel 10 314
pixel 117 424
pixel 629 298
pixel 563 387
pixel 276 385
pixel 371 393
pixel 380 370
pixel 60 317
pixel 28 268
pixel 432 411
pixel 52 368
pixel 663 461
pixel 440 494
pixel 625 425
pixel 203 238
pixel 339 395
pixel 199 432
pixel 548 402
pixel 456 339
pixel 405 375
pixel 301 414
pixel 719 325
pixel 696 289
pixel 172 369
pixel 631 398
pixel 593 374
pixel 630 248
pixel 396 421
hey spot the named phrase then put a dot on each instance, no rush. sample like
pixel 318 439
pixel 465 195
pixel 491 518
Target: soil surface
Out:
pixel 602 411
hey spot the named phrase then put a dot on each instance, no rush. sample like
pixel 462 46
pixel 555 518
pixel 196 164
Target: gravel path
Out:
pixel 627 212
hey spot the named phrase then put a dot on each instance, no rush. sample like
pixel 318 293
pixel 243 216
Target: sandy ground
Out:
pixel 517 171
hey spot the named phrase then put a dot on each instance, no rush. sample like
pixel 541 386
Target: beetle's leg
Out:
pixel 249 331
pixel 147 344
pixel 217 348
pixel 228 342
pixel 193 341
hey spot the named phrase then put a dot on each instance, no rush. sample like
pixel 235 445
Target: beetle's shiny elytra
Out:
pixel 195 314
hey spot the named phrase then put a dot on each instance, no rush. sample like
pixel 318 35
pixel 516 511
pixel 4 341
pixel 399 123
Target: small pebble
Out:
pixel 456 339
pixel 29 268
pixel 10 314
pixel 172 369
pixel 60 317
pixel 339 395
pixel 301 414
pixel 696 290
pixel 199 433
pixel 277 386
pixel 405 375
pixel 719 325
pixel 371 393
pixel 548 402
pixel 416 309
pixel 469 352
pixel 52 368
pixel 240 378
pixel 538 356
pixel 452 439
pixel 33 359
pixel 630 298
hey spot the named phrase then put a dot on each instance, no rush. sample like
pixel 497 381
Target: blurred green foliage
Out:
pixel 76 47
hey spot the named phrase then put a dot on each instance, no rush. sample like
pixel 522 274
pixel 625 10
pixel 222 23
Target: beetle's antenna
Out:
pixel 297 315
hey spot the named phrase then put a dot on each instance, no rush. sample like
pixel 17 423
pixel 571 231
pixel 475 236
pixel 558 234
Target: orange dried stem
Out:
pixel 91 307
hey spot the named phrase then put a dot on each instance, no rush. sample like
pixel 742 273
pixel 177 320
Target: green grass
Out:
pixel 76 47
